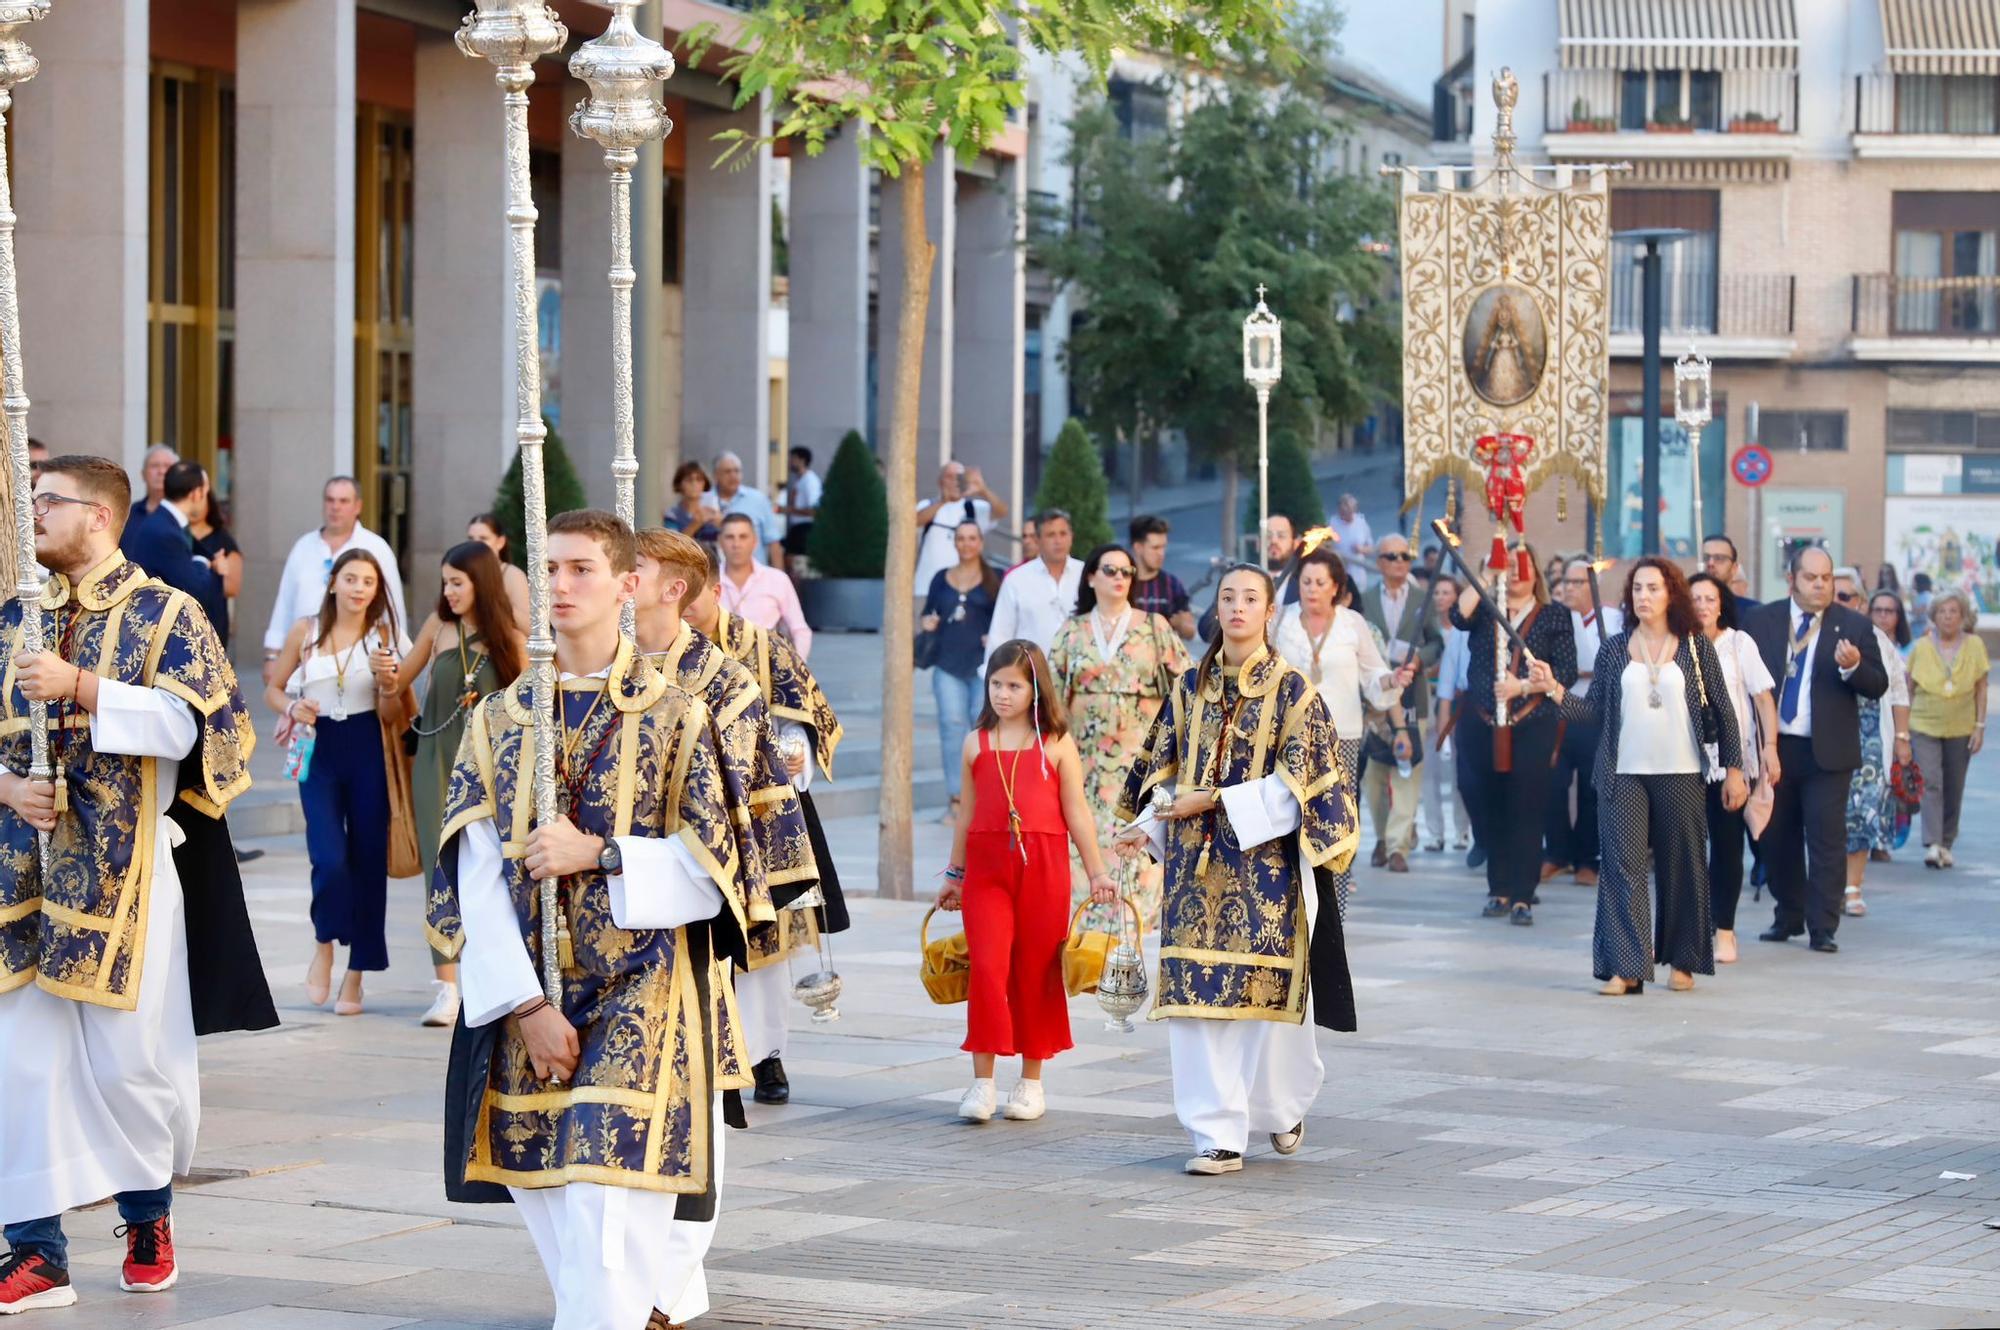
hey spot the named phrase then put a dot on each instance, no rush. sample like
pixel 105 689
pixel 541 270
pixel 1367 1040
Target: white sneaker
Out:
pixel 1944 857
pixel 1210 1163
pixel 444 1007
pixel 978 1104
pixel 1025 1103
pixel 1934 856
pixel 1288 1142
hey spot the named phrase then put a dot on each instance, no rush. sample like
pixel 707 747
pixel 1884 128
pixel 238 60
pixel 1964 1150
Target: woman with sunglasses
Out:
pixel 1114 664
pixel 1885 733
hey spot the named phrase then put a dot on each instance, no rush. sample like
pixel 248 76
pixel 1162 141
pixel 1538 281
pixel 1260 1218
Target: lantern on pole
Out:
pixel 1263 366
pixel 622 67
pixel 1693 408
pixel 513 34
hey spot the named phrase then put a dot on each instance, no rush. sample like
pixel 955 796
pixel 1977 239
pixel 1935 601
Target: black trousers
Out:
pixel 1725 859
pixel 1513 805
pixel 1653 828
pixel 1573 844
pixel 1805 846
pixel 1471 779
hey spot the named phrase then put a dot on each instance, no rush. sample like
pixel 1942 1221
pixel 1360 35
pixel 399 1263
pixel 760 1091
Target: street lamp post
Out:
pixel 513 34
pixel 1263 366
pixel 1694 408
pixel 622 113
pixel 1652 237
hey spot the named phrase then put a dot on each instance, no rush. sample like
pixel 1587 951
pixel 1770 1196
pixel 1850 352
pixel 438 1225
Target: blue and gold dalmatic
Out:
pixel 637 1111
pixel 1233 922
pixel 82 933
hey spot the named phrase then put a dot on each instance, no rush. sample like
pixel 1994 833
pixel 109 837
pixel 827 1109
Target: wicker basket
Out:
pixel 947 964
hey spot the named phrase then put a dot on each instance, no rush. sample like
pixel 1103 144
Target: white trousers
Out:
pixel 613 1254
pixel 1233 1078
pixel 95 1101
pixel 761 998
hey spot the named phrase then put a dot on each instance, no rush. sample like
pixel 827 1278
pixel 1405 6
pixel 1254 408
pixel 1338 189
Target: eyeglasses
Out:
pixel 1113 570
pixel 1847 598
pixel 1391 557
pixel 46 503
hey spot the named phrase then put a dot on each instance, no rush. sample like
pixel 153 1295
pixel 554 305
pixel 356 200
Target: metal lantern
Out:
pixel 1694 404
pixel 1121 990
pixel 820 990
pixel 17 66
pixel 513 34
pixel 1263 366
pixel 623 113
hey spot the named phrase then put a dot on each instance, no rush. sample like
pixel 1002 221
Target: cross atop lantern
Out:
pixel 1263 366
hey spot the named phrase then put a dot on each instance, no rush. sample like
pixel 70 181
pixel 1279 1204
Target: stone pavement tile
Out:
pixel 453 1251
pixel 297 1318
pixel 523 1289
pixel 1933 1286
pixel 223 1261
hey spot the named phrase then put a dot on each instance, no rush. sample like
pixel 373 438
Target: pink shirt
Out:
pixel 767 599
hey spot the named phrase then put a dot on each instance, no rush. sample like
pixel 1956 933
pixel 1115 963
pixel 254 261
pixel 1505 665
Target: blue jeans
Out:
pixel 346 801
pixel 44 1237
pixel 956 697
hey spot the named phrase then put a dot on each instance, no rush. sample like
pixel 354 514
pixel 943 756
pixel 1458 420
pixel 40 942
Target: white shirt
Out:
pixel 1744 676
pixel 1350 664
pixel 341 682
pixel 1897 696
pixel 307 569
pixel 804 491
pixel 1393 604
pixel 1801 724
pixel 1589 638
pixel 935 551
pixel 1032 604
pixel 1353 533
pixel 1656 741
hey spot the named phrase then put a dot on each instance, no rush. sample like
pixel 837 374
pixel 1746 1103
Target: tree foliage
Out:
pixel 850 533
pixel 1073 480
pixel 1292 488
pixel 562 487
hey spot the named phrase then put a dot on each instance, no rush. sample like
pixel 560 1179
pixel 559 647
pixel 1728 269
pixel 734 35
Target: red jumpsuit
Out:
pixel 1016 899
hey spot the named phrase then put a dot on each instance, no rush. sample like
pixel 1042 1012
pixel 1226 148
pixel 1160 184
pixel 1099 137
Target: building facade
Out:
pixel 271 234
pixel 1836 165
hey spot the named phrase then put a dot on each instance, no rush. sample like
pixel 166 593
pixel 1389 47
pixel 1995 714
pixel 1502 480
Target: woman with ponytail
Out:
pixel 1239 793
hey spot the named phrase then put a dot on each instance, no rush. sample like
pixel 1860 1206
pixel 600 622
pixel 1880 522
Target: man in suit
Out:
pixel 1718 560
pixel 1825 658
pixel 1400 610
pixel 161 544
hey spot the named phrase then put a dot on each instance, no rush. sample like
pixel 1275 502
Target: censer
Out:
pixel 819 990
pixel 1121 990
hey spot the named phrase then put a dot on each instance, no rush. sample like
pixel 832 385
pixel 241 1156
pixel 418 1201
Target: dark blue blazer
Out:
pixel 159 544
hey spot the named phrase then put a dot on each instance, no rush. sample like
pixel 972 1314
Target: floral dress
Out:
pixel 1113 679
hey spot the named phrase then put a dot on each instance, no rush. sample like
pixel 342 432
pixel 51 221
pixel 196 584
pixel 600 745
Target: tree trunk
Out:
pixel 894 879
pixel 1231 504
pixel 1136 481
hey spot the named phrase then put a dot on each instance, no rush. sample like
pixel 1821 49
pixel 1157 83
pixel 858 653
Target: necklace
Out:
pixel 1317 642
pixel 1109 640
pixel 1016 841
pixel 1950 662
pixel 340 664
pixel 1654 700
pixel 570 775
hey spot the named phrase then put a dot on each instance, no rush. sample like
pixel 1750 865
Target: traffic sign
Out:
pixel 1751 465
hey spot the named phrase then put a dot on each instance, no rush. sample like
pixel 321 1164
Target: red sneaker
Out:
pixel 29 1281
pixel 149 1256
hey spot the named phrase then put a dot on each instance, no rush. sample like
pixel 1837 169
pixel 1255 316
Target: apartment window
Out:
pixel 1943 431
pixel 1947 257
pixel 1670 96
pixel 1687 267
pixel 1803 431
pixel 1141 109
pixel 1947 104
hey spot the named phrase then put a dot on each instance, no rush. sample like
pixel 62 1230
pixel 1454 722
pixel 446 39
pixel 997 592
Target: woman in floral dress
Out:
pixel 1113 664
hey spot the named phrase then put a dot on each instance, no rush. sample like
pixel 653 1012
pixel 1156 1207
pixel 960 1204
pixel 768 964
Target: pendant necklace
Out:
pixel 340 664
pixel 1108 642
pixel 1653 668
pixel 1016 840
pixel 1950 662
pixel 1317 642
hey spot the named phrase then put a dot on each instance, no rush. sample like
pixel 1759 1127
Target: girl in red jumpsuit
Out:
pixel 1023 803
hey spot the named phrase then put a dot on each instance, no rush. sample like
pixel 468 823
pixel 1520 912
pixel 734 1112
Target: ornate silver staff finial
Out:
pixel 513 34
pixel 623 113
pixel 1506 92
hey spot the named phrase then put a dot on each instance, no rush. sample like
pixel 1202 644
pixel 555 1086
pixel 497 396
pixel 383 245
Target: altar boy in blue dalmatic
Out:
pixel 598 1114
pixel 1252 956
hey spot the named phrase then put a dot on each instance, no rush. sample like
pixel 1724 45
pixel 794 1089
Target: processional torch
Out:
pixel 17 66
pixel 622 114
pixel 513 34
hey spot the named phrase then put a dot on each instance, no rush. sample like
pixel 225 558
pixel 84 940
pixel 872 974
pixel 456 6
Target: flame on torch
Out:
pixel 1317 537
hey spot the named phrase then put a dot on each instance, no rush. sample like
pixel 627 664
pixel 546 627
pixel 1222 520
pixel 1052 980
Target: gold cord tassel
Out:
pixel 1562 498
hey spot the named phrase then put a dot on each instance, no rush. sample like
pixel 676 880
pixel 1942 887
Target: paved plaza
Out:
pixel 1497 1147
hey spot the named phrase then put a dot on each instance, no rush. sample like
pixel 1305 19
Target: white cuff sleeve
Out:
pixel 1848 673
pixel 1260 810
pixel 791 729
pixel 663 885
pixel 495 974
pixel 141 722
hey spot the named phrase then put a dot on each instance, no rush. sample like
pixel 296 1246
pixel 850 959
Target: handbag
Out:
pixel 1083 956
pixel 405 859
pixel 1711 728
pixel 924 650
pixel 946 969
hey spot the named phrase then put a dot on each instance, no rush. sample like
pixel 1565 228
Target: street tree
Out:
pixel 920 78
pixel 1073 480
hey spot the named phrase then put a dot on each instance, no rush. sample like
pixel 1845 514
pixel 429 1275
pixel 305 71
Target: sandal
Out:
pixel 1854 905
pixel 1523 914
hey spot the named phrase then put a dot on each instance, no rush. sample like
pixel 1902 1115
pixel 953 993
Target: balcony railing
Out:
pixel 1696 302
pixel 1891 305
pixel 1614 101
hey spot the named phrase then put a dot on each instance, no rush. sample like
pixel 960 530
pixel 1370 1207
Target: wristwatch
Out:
pixel 609 859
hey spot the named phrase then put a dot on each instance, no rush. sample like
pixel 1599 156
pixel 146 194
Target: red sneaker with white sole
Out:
pixel 30 1282
pixel 149 1256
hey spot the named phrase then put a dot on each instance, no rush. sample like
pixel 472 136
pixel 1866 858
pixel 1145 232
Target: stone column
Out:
pixel 829 313
pixel 81 158
pixel 586 425
pixel 988 330
pixel 294 277
pixel 462 422
pixel 726 295
pixel 934 417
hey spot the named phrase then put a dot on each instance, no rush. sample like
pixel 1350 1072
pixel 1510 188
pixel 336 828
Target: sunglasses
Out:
pixel 1848 598
pixel 1393 558
pixel 1113 570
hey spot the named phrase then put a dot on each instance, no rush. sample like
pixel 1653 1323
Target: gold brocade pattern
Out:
pixel 82 933
pixel 1233 930
pixel 644 1001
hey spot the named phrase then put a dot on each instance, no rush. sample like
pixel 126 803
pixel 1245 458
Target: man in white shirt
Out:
pixel 803 490
pixel 1357 541
pixel 1038 596
pixel 730 495
pixel 962 497
pixel 307 568
pixel 1569 844
pixel 758 592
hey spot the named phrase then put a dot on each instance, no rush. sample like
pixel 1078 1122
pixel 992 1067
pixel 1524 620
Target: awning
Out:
pixel 1942 36
pixel 1683 34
